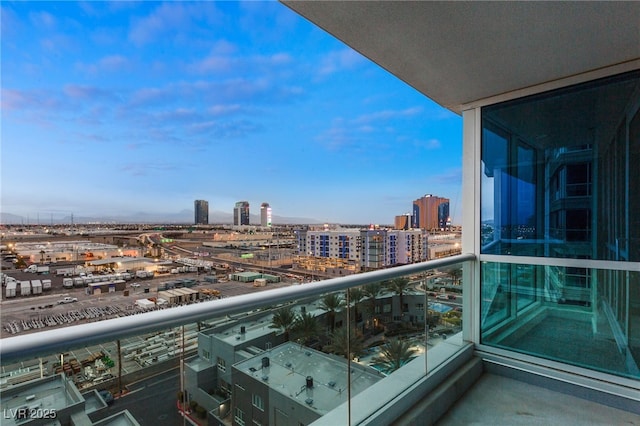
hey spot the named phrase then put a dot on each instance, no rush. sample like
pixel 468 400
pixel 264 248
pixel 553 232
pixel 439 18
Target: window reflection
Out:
pixel 559 181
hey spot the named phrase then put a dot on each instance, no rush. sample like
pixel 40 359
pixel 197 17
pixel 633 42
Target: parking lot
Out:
pixel 38 312
pixel 30 314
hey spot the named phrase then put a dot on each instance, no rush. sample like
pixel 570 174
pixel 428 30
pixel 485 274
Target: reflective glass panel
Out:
pixel 558 173
pixel 581 316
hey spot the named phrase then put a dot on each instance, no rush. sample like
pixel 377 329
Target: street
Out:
pixel 151 401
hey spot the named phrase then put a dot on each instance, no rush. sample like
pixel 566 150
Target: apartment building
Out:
pixel 369 248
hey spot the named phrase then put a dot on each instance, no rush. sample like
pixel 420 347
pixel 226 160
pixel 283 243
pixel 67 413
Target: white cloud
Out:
pixel 388 115
pixel 340 60
pixel 43 20
pixel 110 63
pixel 428 144
pixel 172 18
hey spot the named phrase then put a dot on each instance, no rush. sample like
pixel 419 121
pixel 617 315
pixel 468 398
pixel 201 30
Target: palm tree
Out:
pixel 395 353
pixel 331 303
pixel 347 346
pixel 284 319
pixel 455 275
pixel 399 286
pixel 372 291
pixel 306 326
pixel 355 296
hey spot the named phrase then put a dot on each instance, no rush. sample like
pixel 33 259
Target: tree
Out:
pixel 331 303
pixel 396 353
pixel 347 346
pixel 306 327
pixel 456 275
pixel 284 319
pixel 356 294
pixel 399 286
pixel 372 291
pixel 433 318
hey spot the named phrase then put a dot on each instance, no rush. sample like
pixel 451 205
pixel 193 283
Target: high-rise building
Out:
pixel 241 213
pixel 265 215
pixel 201 208
pixel 430 212
pixel 402 221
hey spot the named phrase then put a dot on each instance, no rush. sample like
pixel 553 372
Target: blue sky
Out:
pixel 123 107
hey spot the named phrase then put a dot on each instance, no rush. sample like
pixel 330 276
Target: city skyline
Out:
pixel 120 108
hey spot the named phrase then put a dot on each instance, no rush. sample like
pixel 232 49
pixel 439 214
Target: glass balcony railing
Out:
pixel 586 317
pixel 259 357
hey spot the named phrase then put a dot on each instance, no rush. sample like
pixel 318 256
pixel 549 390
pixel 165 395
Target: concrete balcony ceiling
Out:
pixel 457 53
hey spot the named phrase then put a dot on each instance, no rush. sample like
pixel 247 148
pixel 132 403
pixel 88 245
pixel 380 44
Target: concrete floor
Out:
pixel 496 400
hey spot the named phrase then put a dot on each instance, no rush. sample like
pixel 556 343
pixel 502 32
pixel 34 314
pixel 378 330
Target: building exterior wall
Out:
pixel 265 215
pixel 241 213
pixel 430 212
pixel 402 222
pixel 372 249
pixel 201 209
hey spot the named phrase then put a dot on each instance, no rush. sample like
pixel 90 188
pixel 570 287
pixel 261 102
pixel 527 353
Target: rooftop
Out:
pixel 289 366
pixel 50 395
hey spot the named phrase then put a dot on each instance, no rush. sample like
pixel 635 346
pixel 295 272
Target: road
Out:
pixel 151 401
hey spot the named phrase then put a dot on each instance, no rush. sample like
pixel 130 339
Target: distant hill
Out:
pixel 184 216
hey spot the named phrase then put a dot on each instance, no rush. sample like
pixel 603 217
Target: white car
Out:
pixel 67 300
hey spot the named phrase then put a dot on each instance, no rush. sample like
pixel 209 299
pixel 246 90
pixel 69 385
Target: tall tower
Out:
pixel 241 213
pixel 430 212
pixel 265 215
pixel 201 208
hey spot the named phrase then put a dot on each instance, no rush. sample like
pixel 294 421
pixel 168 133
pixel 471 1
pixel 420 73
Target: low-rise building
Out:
pixel 54 400
pixel 292 384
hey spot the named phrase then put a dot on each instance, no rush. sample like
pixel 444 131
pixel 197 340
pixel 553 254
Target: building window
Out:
pixel 257 402
pixel 222 365
pixel 546 187
pixel 206 355
pixel 558 182
pixel 239 417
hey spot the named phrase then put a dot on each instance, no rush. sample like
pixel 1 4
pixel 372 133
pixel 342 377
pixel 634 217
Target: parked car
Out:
pixel 452 296
pixel 67 300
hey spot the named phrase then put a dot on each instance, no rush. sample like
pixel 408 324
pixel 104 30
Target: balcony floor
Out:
pixel 566 340
pixel 498 400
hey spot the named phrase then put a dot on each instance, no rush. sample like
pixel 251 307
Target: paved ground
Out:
pixel 30 313
pixel 151 401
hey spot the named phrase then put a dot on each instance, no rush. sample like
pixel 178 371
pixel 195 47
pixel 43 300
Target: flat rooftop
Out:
pixel 48 395
pixel 289 366
pixel 253 329
pixel 123 418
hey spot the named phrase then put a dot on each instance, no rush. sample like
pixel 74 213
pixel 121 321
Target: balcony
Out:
pixel 227 358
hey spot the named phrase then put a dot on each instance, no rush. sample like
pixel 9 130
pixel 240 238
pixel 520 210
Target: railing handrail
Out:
pixel 64 339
